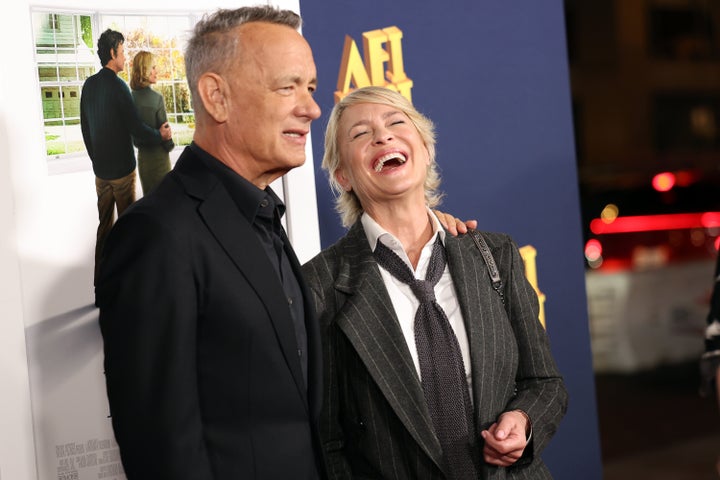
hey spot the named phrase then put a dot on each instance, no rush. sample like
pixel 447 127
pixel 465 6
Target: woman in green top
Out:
pixel 153 160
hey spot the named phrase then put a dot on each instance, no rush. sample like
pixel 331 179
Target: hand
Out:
pixel 506 439
pixel 165 131
pixel 454 225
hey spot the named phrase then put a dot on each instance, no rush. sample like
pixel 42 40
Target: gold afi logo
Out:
pixel 529 255
pixel 372 71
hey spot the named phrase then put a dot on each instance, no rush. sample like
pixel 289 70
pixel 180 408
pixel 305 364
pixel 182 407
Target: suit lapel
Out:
pixel 236 236
pixel 370 324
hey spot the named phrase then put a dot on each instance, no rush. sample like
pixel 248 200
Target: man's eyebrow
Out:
pixel 296 79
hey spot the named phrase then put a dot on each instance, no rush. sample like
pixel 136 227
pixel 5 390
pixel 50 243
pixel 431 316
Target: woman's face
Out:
pixel 152 78
pixel 382 156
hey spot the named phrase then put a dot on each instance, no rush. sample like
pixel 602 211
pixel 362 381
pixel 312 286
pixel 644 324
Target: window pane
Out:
pixel 70 97
pixel 48 73
pixel 65 56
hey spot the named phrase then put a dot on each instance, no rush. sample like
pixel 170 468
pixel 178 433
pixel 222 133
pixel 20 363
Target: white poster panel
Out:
pixel 54 418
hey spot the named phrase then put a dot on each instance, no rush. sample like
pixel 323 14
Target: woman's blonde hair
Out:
pixel 141 67
pixel 347 203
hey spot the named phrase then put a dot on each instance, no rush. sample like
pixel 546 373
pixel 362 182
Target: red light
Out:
pixel 684 178
pixel 593 249
pixel 717 245
pixel 647 223
pixel 663 182
pixel 710 220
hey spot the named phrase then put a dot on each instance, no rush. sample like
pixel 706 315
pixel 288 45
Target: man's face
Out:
pixel 271 100
pixel 117 63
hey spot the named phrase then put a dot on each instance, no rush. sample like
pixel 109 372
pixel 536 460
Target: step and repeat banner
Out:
pixel 493 76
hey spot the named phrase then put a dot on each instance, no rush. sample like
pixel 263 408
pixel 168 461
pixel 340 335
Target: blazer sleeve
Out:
pixel 319 277
pixel 148 320
pixel 541 392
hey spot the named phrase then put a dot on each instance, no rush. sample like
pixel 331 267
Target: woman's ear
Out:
pixel 213 89
pixel 342 180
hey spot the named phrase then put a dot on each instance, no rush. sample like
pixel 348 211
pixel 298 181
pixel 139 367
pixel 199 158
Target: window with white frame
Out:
pixel 65 54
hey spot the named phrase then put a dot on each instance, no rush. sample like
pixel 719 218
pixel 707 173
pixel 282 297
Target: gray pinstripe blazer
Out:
pixel 375 423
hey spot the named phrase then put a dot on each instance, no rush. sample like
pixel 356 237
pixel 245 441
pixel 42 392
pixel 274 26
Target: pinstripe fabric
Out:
pixel 375 422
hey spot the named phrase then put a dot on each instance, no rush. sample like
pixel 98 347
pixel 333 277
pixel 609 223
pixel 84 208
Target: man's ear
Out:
pixel 213 89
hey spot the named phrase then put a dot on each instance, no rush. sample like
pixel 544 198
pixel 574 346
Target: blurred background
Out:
pixel 645 77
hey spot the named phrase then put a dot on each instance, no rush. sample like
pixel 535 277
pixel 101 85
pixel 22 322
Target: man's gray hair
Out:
pixel 212 49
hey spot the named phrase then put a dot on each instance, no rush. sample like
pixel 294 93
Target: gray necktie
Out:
pixel 441 365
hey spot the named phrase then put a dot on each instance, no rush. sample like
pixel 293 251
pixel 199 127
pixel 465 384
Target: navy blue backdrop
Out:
pixel 493 76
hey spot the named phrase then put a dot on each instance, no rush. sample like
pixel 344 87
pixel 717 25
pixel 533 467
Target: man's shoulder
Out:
pixel 105 78
pixel 91 80
pixel 168 204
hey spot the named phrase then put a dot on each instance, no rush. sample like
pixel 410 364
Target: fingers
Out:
pixel 454 225
pixel 165 131
pixel 504 442
pixel 447 221
pixel 500 458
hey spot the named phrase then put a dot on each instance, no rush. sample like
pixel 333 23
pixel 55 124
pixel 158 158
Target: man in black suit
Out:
pixel 212 355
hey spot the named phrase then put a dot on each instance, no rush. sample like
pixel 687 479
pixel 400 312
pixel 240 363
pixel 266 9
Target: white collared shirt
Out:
pixel 404 300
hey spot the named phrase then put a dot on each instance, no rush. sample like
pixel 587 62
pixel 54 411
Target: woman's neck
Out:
pixel 410 224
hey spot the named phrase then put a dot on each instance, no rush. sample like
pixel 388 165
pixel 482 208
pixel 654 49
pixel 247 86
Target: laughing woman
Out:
pixel 433 370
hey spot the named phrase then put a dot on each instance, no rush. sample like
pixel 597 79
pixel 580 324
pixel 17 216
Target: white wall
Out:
pixel 53 395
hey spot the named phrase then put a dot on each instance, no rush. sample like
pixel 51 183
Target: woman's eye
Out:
pixel 358 134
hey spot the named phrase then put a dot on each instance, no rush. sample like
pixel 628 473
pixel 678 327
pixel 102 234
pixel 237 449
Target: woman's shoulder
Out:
pixel 146 93
pixel 324 259
pixel 326 262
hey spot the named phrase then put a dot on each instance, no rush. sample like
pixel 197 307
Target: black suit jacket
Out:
pixel 201 362
pixel 375 423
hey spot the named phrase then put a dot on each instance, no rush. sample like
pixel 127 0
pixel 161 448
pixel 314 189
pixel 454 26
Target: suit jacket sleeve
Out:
pixel 148 320
pixel 326 304
pixel 541 391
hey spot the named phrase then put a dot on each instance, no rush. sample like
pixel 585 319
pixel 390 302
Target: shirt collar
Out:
pixel 250 200
pixel 374 232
